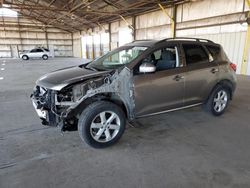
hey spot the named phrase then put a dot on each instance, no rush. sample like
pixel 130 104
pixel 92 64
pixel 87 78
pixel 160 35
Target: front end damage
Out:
pixel 62 108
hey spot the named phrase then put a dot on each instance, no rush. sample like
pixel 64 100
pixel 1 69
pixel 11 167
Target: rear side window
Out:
pixel 214 50
pixel 39 50
pixel 195 54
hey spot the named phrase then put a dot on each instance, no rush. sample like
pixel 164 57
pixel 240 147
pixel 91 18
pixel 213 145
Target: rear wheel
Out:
pixel 45 57
pixel 218 100
pixel 101 124
pixel 25 57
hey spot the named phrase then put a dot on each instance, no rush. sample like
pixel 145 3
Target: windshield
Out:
pixel 117 58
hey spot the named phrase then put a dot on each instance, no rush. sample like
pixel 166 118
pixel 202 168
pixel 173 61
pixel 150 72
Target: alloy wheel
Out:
pixel 105 126
pixel 220 101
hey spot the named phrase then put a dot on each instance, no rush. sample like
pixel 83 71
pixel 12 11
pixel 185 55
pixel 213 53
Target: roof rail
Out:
pixel 188 38
pixel 142 40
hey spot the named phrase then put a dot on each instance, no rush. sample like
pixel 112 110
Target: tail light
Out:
pixel 233 66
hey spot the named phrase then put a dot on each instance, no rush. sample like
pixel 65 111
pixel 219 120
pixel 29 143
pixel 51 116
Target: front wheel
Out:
pixel 45 57
pixel 101 124
pixel 25 57
pixel 218 100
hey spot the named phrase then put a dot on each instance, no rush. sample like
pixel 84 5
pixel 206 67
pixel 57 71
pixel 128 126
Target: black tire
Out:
pixel 25 57
pixel 211 104
pixel 45 57
pixel 90 114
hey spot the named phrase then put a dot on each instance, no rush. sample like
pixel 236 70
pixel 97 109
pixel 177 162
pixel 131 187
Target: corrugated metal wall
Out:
pixel 20 34
pixel 233 44
pixel 92 43
pixel 218 24
pixel 153 25
pixel 214 20
pixel 77 44
pixel 232 38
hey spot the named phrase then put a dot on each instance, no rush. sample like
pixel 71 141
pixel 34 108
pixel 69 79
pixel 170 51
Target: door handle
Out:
pixel 214 70
pixel 178 78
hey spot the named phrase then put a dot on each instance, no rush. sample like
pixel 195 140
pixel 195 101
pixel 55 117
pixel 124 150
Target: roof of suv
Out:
pixel 152 42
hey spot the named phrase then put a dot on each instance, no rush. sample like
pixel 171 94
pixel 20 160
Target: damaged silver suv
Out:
pixel 139 79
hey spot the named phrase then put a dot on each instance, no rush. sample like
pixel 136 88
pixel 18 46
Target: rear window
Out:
pixel 195 53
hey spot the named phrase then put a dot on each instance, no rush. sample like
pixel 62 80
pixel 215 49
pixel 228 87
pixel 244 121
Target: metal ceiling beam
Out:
pixel 85 4
pixel 41 21
pixel 33 7
pixel 110 11
pixel 51 3
pixel 63 26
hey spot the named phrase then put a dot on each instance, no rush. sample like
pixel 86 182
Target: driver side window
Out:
pixel 165 58
pixel 33 51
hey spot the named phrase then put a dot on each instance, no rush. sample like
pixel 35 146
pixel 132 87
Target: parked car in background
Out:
pixel 43 53
pixel 138 79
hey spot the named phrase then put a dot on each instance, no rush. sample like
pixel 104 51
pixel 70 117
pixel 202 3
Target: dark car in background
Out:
pixel 139 79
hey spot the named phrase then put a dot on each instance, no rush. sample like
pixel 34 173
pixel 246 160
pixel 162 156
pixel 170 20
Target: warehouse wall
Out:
pixel 77 44
pixel 92 43
pixel 215 20
pixel 19 34
pixel 154 25
pixel 220 24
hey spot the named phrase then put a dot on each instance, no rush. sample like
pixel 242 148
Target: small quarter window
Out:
pixel 214 50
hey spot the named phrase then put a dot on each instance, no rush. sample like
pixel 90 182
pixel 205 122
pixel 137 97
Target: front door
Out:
pixel 162 90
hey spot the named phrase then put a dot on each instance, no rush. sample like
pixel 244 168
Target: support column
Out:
pixel 172 18
pixel 109 36
pixel 80 44
pixel 72 44
pixel 93 44
pixel 246 53
pixel 173 21
pixel 134 26
pixel 46 38
pixel 20 37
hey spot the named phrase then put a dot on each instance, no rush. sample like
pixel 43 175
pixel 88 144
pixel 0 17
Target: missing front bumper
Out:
pixel 41 113
pixel 47 117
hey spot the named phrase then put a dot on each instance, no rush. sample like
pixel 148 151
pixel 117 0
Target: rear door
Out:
pixel 164 89
pixel 201 75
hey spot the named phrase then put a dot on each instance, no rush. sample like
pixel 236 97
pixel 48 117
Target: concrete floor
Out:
pixel 188 148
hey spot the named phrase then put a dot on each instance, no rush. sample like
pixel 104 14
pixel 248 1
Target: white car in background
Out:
pixel 36 53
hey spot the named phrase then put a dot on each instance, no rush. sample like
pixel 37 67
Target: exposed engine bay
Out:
pixel 62 107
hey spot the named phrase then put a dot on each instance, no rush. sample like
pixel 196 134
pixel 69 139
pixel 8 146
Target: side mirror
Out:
pixel 147 68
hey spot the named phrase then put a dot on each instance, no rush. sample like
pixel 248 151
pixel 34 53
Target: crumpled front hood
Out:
pixel 61 78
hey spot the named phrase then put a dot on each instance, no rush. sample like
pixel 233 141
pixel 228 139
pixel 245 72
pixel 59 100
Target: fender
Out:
pixel 225 83
pixel 119 85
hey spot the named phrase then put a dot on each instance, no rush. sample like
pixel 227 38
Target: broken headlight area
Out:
pixel 43 100
pixel 79 90
pixel 50 106
pixel 53 106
